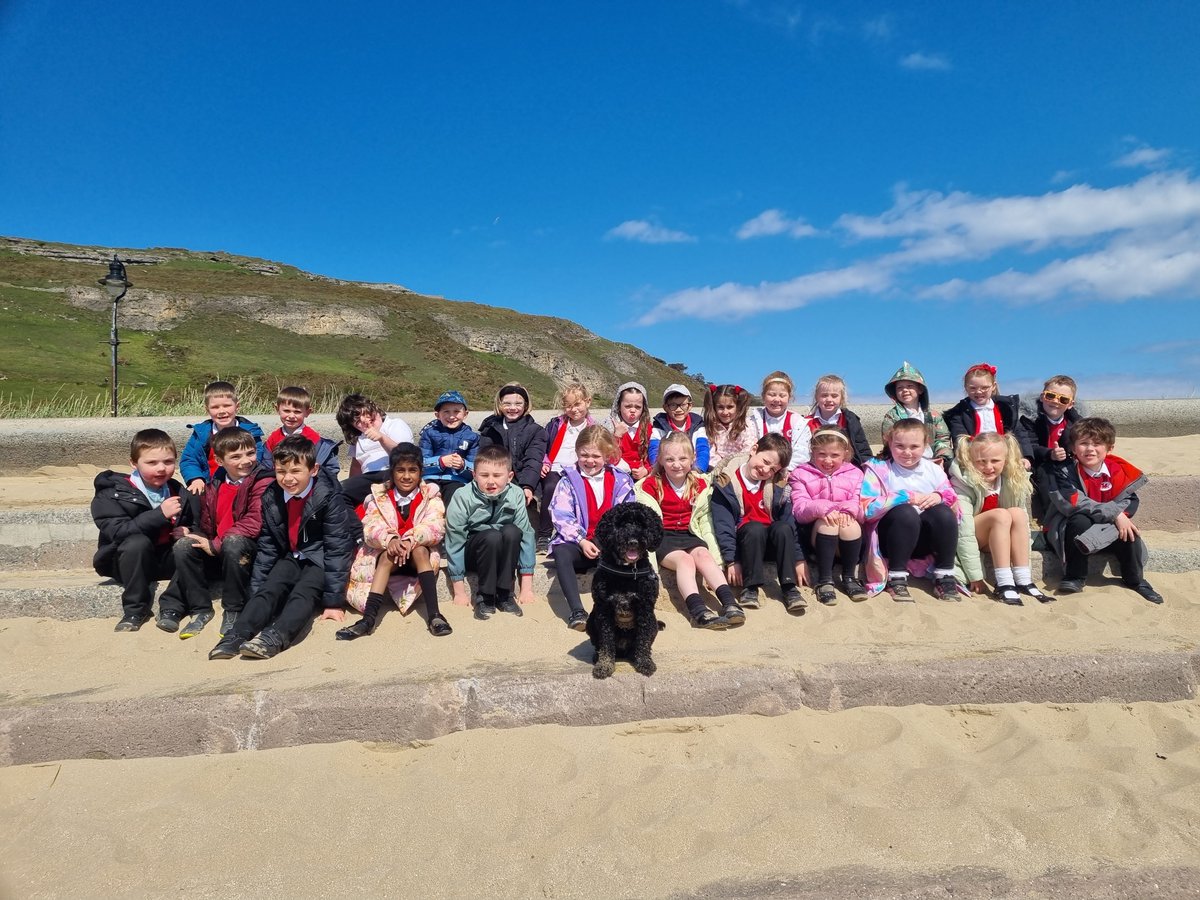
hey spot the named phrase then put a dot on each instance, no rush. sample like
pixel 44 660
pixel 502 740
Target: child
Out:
pixel 304 552
pixel 680 495
pixel 198 465
pixel 629 421
pixel 826 501
pixel 984 410
pixel 370 435
pixel 513 428
pixel 726 408
pixel 587 491
pixel 911 395
pixel 405 520
pixel 1056 413
pixel 993 490
pixel 137 515
pixel 752 521
pixel 829 410
pixel 222 549
pixel 488 532
pixel 561 434
pixel 676 419
pixel 774 417
pixel 1092 503
pixel 911 513
pixel 449 445
pixel 294 405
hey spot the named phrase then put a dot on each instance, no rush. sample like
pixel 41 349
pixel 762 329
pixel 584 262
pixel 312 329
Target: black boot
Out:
pixel 365 625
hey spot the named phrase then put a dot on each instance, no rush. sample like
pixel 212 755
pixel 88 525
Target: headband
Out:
pixel 985 367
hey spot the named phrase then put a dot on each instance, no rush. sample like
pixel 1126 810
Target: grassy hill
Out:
pixel 192 317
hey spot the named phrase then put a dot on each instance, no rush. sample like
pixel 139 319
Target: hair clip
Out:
pixel 738 390
pixel 712 388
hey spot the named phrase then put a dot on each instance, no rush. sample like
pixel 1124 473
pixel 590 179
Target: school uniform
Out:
pixel 848 422
pixel 577 506
pixel 753 522
pixel 1000 414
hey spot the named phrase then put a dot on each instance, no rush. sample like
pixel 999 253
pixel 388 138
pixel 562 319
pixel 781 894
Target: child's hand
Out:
pixel 1058 454
pixel 196 486
pixel 925 501
pixel 802 573
pixel 398 550
pixel 199 540
pixel 525 597
pixel 372 432
pixel 733 574
pixel 458 593
pixel 589 549
pixel 336 615
pixel 171 508
pixel 1027 464
pixel 639 473
pixel 528 496
pixel 1126 530
pixel 545 469
pixel 832 518
pixel 452 461
pixel 979 587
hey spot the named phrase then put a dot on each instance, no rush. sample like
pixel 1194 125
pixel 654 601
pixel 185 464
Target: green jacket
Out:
pixel 970 565
pixel 471 510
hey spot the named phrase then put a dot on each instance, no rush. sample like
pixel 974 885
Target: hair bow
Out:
pixel 985 366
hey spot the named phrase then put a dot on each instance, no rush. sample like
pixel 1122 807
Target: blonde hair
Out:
pixel 983 369
pixel 1064 380
pixel 570 389
pixel 831 434
pixel 780 378
pixel 216 389
pixel 677 437
pixel 833 381
pixel 602 439
pixel 1013 473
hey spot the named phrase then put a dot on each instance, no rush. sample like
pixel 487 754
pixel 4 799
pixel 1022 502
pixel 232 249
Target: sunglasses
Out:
pixel 1056 398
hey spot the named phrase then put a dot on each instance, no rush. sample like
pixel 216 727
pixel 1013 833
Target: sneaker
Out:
pixel 898 588
pixel 1144 589
pixel 1070 586
pixel 749 599
pixel 854 589
pixel 733 614
pixel 826 594
pixel 793 600
pixel 578 621
pixel 227 647
pixel 543 545
pixel 509 605
pixel 132 622
pixel 267 644
pixel 228 619
pixel 945 587
pixel 168 620
pixel 194 627
pixel 710 620
pixel 483 609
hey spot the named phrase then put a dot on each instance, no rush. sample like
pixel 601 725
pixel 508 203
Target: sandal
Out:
pixel 1007 594
pixel 1031 590
pixel 710 620
pixel 439 627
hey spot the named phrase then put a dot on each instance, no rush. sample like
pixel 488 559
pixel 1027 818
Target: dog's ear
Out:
pixel 649 524
pixel 606 528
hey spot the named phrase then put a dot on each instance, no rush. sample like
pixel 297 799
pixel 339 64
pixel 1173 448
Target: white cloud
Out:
pixel 1143 156
pixel 647 233
pixel 926 62
pixel 771 222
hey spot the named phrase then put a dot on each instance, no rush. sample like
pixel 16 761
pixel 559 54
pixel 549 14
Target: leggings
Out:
pixel 906 532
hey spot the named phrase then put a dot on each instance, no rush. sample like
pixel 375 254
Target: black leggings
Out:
pixel 568 562
pixel 906 532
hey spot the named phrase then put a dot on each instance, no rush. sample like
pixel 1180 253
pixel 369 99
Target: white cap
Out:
pixel 676 389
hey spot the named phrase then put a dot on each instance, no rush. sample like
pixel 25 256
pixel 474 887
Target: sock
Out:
pixel 1022 575
pixel 371 610
pixel 943 573
pixel 428 582
pixel 827 545
pixel 1004 577
pixel 897 576
pixel 850 551
pixel 695 606
pixel 725 594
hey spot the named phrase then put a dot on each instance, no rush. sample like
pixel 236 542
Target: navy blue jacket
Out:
pixel 727 513
pixel 120 511
pixel 437 440
pixel 193 462
pixel 960 419
pixel 524 439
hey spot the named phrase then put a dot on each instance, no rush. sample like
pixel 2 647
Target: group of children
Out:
pixel 266 520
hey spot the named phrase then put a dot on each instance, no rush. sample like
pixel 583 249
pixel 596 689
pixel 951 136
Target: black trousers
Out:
pixel 447 489
pixel 196 571
pixel 140 563
pixel 905 532
pixel 1128 553
pixel 545 524
pixel 757 542
pixel 286 601
pixel 355 490
pixel 569 561
pixel 492 554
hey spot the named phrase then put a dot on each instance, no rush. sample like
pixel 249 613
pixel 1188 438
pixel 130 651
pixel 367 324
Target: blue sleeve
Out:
pixel 472 450
pixel 701 444
pixel 193 463
pixel 655 440
pixel 430 458
pixel 724 525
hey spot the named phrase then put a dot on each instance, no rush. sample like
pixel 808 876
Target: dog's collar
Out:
pixel 639 569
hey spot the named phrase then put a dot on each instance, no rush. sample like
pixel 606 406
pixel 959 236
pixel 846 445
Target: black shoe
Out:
pixel 268 643
pixel 793 600
pixel 168 620
pixel 1008 595
pixel 194 627
pixel 945 587
pixel 749 598
pixel 898 588
pixel 483 609
pixel 509 605
pixel 854 589
pixel 227 647
pixel 132 622
pixel 826 595
pixel 361 628
pixel 439 627
pixel 543 545
pixel 578 621
pixel 1143 588
pixel 733 614
pixel 710 620
pixel 1031 590
pixel 228 619
pixel 1070 586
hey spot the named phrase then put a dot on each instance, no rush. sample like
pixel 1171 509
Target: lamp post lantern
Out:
pixel 116 284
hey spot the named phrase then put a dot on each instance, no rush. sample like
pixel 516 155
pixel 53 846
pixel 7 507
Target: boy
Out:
pixel 752 518
pixel 677 401
pixel 222 549
pixel 294 405
pixel 308 539
pixel 198 465
pixel 1056 413
pixel 488 532
pixel 139 516
pixel 449 445
pixel 1092 500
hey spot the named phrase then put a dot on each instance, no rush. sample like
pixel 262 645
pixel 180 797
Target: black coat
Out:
pixel 525 441
pixel 1039 431
pixel 329 535
pixel 727 514
pixel 854 431
pixel 960 419
pixel 120 510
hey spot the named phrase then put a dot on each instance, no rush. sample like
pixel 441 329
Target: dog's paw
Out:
pixel 604 668
pixel 645 667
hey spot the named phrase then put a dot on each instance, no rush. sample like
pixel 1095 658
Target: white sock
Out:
pixel 1004 577
pixel 1022 574
pixel 942 573
pixel 897 576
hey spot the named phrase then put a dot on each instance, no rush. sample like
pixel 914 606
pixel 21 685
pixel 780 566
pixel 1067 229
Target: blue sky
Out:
pixel 741 185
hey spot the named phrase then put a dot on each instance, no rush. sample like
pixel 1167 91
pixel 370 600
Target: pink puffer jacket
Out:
pixel 815 494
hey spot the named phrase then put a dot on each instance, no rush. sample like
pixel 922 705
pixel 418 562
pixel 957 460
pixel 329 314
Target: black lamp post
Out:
pixel 116 284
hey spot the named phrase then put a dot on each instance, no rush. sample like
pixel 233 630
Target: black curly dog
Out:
pixel 622 624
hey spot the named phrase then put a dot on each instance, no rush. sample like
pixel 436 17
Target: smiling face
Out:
pixel 512 406
pixel 294 476
pixel 406 476
pixel 239 462
pixel 155 465
pixel 223 411
pixel 575 408
pixel 1090 451
pixel 907 446
pixel 776 398
pixel 829 398
pixel 726 409
pixel 677 407
pixel 291 415
pixel 763 465
pixel 451 414
pixel 988 459
pixel 590 458
pixel 492 477
pixel 365 420
pixel 828 458
pixel 631 407
pixel 908 393
pixel 979 388
pixel 1057 399
pixel 677 458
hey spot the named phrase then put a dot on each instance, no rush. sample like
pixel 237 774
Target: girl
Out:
pixel 726 408
pixel 371 436
pixel 829 409
pixel 404 521
pixel 994 490
pixel 587 491
pixel 984 410
pixel 908 390
pixel 561 434
pixel 752 519
pixel 680 495
pixel 513 428
pixel 774 417
pixel 629 421
pixel 826 501
pixel 910 511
